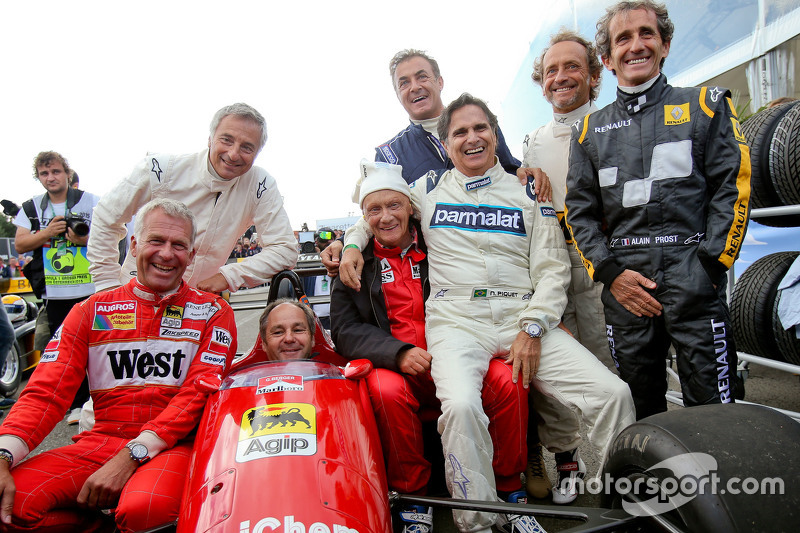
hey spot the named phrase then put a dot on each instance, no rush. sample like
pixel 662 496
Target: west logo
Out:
pixel 221 336
pixel 127 364
pixel 478 218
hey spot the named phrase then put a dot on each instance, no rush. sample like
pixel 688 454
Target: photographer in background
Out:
pixel 55 226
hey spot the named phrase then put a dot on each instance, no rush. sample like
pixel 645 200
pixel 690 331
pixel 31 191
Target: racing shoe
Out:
pixel 515 523
pixel 537 482
pixel 7 403
pixel 417 519
pixel 570 467
pixel 74 416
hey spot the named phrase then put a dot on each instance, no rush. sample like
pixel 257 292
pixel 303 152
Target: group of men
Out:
pixel 470 291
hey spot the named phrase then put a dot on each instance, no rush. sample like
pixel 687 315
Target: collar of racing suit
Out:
pixel 634 103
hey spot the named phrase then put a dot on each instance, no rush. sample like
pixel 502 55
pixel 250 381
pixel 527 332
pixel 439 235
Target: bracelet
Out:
pixel 7 456
pixel 352 246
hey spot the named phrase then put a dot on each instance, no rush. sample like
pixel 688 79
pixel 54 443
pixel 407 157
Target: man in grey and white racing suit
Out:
pixel 499 269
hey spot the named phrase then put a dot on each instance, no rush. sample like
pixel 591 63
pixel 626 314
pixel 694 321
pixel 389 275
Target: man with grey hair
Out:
pixel 226 193
pixel 143 347
pixel 286 329
pixel 568 72
pixel 657 202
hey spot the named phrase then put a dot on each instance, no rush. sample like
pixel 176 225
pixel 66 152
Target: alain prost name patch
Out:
pixel 494 219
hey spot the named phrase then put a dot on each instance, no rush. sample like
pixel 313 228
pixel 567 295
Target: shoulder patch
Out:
pixel 388 154
pixel 530 188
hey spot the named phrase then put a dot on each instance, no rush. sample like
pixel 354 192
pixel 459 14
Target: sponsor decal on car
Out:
pixel 277 430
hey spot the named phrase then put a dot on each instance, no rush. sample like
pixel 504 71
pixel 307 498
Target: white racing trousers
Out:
pixel 463 336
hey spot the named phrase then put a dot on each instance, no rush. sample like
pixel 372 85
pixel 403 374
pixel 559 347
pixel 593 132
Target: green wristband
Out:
pixel 352 246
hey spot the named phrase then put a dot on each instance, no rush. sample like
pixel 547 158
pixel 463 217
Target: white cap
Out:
pixel 379 176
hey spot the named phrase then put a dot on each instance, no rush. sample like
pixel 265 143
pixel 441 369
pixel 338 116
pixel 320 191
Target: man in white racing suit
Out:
pixel 226 193
pixel 499 269
pixel 568 71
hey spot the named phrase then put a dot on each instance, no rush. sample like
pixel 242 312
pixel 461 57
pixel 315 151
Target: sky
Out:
pixel 104 83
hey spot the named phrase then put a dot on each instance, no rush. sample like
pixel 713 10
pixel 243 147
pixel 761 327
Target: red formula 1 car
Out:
pixel 292 447
pixel 288 446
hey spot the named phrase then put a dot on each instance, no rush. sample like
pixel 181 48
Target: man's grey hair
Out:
pixel 603 38
pixel 408 53
pixel 171 208
pixel 595 66
pixel 311 319
pixel 462 101
pixel 244 111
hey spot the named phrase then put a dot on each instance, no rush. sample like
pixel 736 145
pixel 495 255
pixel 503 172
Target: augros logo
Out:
pixel 673 482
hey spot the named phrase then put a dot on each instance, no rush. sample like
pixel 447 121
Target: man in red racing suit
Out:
pixel 143 347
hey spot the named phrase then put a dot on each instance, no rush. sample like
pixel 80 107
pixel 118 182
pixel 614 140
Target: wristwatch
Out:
pixel 534 330
pixel 139 452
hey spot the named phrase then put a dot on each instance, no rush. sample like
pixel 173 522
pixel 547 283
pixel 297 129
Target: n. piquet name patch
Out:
pixel 495 219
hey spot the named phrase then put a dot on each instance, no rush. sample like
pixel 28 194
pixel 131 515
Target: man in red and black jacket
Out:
pixel 385 323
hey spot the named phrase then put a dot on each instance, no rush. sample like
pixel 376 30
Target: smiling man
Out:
pixel 657 202
pixel 142 346
pixel 286 329
pixel 498 272
pixel 224 190
pixel 418 85
pixel 568 71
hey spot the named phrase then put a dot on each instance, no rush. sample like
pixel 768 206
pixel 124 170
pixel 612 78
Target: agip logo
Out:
pixel 277 430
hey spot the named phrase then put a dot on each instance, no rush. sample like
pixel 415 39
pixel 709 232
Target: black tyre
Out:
pixel 753 305
pixel 786 340
pixel 784 157
pixel 11 372
pixel 759 130
pixel 677 455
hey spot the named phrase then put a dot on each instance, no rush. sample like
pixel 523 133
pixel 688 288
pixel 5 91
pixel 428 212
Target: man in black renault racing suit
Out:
pixel 657 203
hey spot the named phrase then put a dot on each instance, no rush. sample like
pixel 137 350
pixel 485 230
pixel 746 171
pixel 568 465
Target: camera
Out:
pixel 79 225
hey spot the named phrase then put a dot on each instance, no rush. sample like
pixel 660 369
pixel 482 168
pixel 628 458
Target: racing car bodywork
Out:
pixel 288 446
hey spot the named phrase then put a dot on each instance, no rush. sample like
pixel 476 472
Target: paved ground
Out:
pixel 764 385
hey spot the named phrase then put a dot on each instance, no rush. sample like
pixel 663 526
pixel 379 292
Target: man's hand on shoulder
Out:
pixel 8 490
pixel 216 283
pixel 524 356
pixel 541 186
pixel 330 257
pixel 102 489
pixel 627 289
pixel 413 361
pixel 350 268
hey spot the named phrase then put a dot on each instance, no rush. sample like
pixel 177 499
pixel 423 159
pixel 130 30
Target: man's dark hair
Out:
pixel 603 38
pixel 310 317
pixel 462 101
pixel 595 66
pixel 408 53
pixel 45 159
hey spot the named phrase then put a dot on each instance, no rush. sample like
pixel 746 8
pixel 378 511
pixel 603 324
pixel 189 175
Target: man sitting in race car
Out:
pixel 499 272
pixel 385 323
pixel 286 329
pixel 142 346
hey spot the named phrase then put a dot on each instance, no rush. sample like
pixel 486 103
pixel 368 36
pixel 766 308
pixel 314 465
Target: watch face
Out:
pixel 138 451
pixel 534 330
